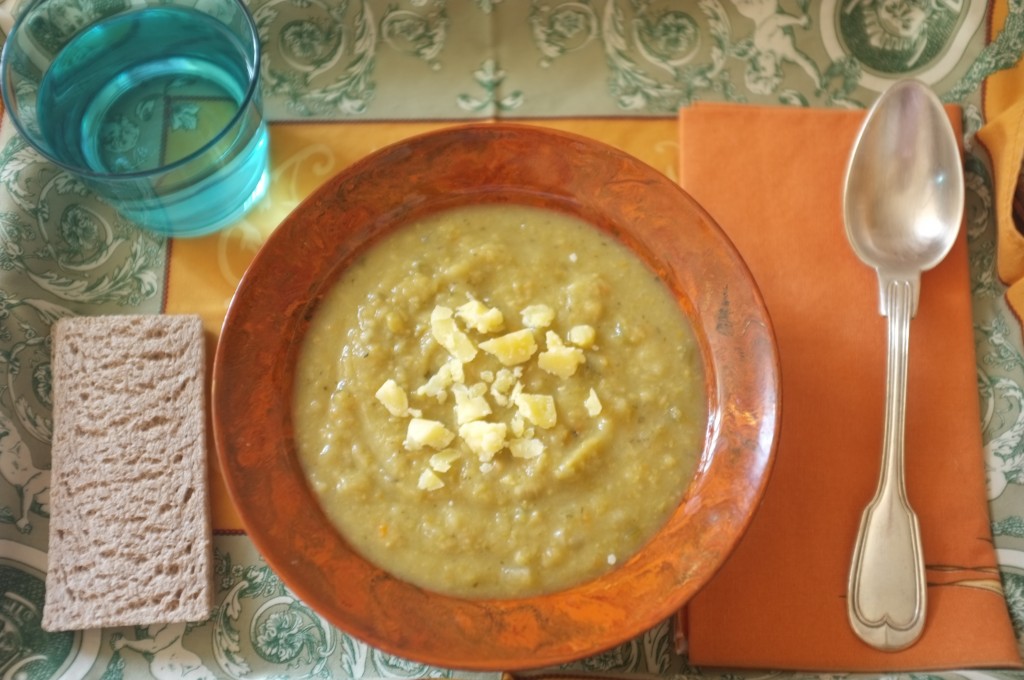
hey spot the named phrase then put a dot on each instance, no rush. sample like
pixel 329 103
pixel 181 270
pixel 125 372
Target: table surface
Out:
pixel 377 71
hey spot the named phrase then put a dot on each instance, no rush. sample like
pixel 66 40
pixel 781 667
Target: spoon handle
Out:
pixel 886 592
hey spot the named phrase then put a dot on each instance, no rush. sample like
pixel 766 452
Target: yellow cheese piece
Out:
pixel 559 359
pixel 483 438
pixel 442 460
pixel 422 433
pixel 429 481
pixel 512 348
pixel 438 384
pixel 526 448
pixel 593 404
pixel 470 403
pixel 503 382
pixel 517 425
pixel 582 336
pixel 393 398
pixel 448 335
pixel 480 317
pixel 539 409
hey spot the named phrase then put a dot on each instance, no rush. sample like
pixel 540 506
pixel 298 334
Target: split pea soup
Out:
pixel 499 401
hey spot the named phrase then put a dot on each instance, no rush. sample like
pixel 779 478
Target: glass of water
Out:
pixel 154 104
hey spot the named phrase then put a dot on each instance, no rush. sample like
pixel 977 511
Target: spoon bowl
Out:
pixel 903 203
pixel 904 194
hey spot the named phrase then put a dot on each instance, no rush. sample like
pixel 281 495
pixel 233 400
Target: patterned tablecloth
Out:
pixel 374 71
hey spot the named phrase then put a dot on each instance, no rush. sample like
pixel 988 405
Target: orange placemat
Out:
pixel 772 177
pixel 202 273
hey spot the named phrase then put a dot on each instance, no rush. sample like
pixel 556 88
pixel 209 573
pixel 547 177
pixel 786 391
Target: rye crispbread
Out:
pixel 130 539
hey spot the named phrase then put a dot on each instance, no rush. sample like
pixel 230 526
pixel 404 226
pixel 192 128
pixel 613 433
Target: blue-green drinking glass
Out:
pixel 154 104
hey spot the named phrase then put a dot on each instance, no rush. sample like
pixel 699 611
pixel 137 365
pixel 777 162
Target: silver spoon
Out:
pixel 903 203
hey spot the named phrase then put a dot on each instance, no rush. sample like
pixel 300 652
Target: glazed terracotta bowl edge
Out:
pixel 251 394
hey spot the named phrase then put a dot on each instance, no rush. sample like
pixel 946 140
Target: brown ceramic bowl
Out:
pixel 256 356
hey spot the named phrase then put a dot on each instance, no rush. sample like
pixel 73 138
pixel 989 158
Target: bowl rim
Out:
pixel 499 162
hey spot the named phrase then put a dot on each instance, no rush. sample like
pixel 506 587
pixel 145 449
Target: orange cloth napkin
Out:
pixel 772 177
pixel 1003 137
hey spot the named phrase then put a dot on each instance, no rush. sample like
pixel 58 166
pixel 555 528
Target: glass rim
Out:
pixel 8 97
